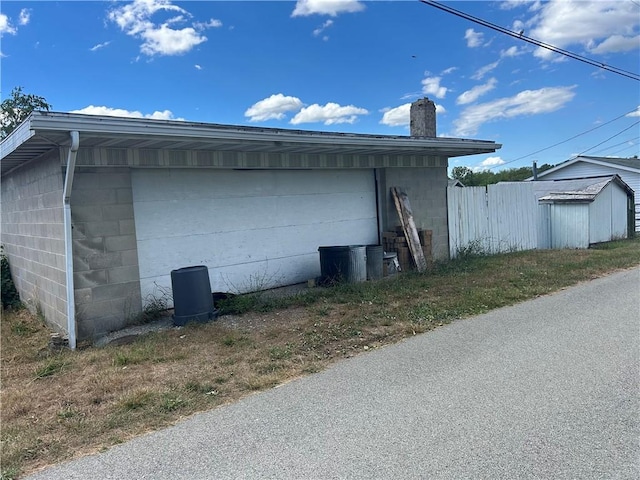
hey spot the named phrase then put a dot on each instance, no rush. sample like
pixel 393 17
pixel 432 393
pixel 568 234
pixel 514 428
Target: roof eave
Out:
pixel 20 135
pixel 174 128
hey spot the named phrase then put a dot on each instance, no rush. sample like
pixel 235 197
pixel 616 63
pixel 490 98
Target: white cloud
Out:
pixel 326 7
pixel 617 43
pixel 527 102
pixel 398 116
pixel 488 163
pixel 401 116
pixel 479 75
pixel 511 52
pixel 474 39
pixel 24 17
pixel 599 26
pixel 119 112
pixel 329 114
pixel 449 70
pixel 511 4
pixel 635 113
pixel 5 25
pixel 99 46
pixel 273 107
pixel 213 23
pixel 160 39
pixel 322 28
pixel 198 67
pixel 167 41
pixel 431 86
pixel 476 92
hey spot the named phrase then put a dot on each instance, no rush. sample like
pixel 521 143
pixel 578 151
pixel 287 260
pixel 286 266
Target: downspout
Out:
pixel 68 238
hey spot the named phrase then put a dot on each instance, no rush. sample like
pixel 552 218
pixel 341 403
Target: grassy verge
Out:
pixel 56 406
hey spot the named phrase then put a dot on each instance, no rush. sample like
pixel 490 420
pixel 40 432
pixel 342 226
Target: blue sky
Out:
pixel 344 65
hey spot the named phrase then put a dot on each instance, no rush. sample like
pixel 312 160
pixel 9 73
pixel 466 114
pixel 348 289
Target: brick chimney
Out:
pixel 423 118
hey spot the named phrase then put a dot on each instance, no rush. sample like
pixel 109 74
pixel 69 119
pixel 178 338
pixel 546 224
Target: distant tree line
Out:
pixel 486 177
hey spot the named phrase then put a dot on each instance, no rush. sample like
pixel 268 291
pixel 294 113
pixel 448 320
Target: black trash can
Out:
pixel 343 264
pixel 192 299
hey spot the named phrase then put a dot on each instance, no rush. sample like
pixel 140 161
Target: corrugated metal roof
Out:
pixel 43 131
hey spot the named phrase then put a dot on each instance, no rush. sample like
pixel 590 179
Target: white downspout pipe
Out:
pixel 68 238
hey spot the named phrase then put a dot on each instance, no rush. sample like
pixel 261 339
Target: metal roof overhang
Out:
pixel 43 131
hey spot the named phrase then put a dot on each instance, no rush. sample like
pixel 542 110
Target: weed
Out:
pixel 135 401
pixel 475 248
pixel 51 367
pixel 10 295
pixel 10 473
pixel 281 353
pixel 67 412
pixel 23 329
pixel 170 402
pixel 155 305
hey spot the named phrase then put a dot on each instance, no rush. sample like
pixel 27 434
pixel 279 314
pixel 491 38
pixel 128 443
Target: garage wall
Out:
pixel 253 229
pixel 33 236
pixel 105 260
pixel 427 191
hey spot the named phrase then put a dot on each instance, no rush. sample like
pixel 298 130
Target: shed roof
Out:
pixel 43 131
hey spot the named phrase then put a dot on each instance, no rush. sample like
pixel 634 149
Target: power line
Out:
pixel 617 144
pixel 571 138
pixel 623 149
pixel 521 36
pixel 565 141
pixel 613 136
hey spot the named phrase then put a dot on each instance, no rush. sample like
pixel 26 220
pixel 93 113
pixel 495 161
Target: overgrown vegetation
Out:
pixel 10 296
pixel 56 406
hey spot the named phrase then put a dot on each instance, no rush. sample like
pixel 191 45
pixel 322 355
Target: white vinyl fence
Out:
pixel 493 219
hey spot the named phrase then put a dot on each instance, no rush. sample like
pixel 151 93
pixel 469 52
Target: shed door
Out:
pixel 253 229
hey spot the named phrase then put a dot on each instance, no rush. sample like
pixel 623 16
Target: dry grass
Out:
pixel 56 406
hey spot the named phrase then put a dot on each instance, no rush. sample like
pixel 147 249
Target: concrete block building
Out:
pixel 97 211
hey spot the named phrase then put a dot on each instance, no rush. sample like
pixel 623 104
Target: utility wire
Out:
pixel 617 144
pixel 613 136
pixel 569 139
pixel 625 148
pixel 565 141
pixel 521 36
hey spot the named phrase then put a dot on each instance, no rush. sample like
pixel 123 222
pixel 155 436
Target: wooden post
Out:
pixel 408 225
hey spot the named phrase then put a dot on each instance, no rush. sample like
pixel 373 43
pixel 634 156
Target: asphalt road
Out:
pixel 545 389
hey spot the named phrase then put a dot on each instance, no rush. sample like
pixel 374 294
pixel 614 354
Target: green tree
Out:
pixel 17 107
pixel 487 177
pixel 464 174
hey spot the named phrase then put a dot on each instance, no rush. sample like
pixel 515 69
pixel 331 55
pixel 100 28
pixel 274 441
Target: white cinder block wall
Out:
pixel 427 191
pixel 33 236
pixel 105 257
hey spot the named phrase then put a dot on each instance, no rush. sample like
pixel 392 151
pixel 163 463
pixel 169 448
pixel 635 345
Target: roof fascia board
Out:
pixel 604 163
pixel 179 129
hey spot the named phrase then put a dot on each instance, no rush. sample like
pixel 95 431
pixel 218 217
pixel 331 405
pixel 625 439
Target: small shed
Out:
pixel 582 167
pixel 579 213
